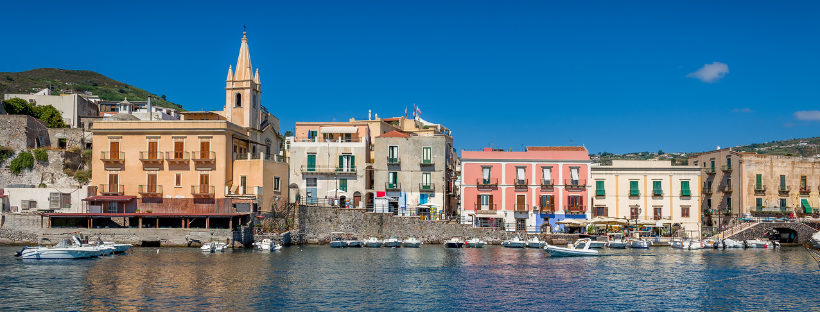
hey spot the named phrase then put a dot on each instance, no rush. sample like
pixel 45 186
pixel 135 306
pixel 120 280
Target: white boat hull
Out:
pixel 392 243
pixel 619 245
pixel 569 252
pixel 535 244
pixel 411 244
pixel 597 244
pixel 731 243
pixel 639 244
pixel 61 253
pixel 474 244
pixel 338 244
pixel 373 244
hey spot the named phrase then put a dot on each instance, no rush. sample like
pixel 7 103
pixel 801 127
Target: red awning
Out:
pixel 109 198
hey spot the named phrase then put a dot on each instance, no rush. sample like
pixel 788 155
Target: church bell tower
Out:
pixel 243 104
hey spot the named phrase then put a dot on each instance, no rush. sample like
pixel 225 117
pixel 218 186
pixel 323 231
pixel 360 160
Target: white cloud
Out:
pixel 742 110
pixel 812 115
pixel 710 72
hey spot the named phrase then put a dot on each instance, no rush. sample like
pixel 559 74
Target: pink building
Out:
pixel 525 191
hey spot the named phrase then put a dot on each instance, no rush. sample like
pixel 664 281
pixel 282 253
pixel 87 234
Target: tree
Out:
pixel 163 97
pixel 18 106
pixel 50 115
pixel 288 133
pixel 660 152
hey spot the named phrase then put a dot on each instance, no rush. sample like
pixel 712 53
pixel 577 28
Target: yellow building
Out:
pixel 219 163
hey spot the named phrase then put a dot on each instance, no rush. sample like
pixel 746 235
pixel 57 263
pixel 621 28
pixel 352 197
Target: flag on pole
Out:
pixel 414 111
pixel 405 112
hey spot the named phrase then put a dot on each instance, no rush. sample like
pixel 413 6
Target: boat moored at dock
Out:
pixel 454 242
pixel 392 242
pixel 515 242
pixel 579 249
pixel 474 243
pixel 373 243
pixel 411 242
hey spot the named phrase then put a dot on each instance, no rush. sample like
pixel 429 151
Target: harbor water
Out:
pixel 427 278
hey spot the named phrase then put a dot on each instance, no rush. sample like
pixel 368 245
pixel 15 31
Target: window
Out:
pixel 113 183
pixel 392 154
pixel 310 182
pixel 238 100
pixel 758 182
pixel 599 188
pixel 712 161
pixel 633 189
pixel 708 203
pixel 425 181
pixel 601 211
pixel 243 185
pixel 178 180
pixel 547 202
pixel 347 163
pixel 573 173
pixel 684 189
pixel 427 155
pixel 312 135
pixel 179 149
pixel 728 184
pixel 729 162
pixel 657 190
pixel 112 207
pixel 728 202
pixel 152 149
pixel 575 201
pixel 59 201
pixel 684 212
pixel 343 185
pixel 802 183
pixel 759 202
pixel 114 149
pixel 276 183
pixel 204 149
pixel 485 202
pixel 392 179
pixel 311 162
pixel 633 212
pixel 546 175
pixel 658 213
pixel 485 175
pixel 782 203
pixel 204 183
pixel 520 175
pixel 151 182
pixel 782 182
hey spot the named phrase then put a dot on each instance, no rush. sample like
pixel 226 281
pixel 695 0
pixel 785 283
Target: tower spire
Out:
pixel 256 78
pixel 230 72
pixel 244 69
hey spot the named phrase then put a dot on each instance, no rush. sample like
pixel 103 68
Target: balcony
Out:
pixel 429 187
pixel 570 184
pixel 710 170
pixel 784 189
pixel 390 187
pixel 393 161
pixel 657 217
pixel 151 157
pixel 634 193
pixel 727 189
pixel 112 189
pixel 521 184
pixel 771 210
pixel 658 192
pixel 725 210
pixel 484 209
pixel 727 168
pixel 113 157
pixel 760 189
pixel 522 207
pixel 202 190
pixel 177 157
pixel 427 162
pixel 204 157
pixel 150 190
pixel 328 170
pixel 708 211
pixel 575 208
pixel 805 190
pixel 547 183
pixel 547 209
pixel 486 183
pixel 706 189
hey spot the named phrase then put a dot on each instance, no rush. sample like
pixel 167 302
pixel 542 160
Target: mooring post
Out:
pixel 207 222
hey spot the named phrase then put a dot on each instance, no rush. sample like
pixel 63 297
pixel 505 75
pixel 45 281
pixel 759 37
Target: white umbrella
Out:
pixel 340 192
pixel 572 222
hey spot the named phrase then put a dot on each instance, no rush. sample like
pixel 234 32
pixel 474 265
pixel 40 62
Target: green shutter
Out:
pixel 684 186
pixel 758 181
pixel 353 162
pixel 311 162
pixel 782 182
pixel 633 189
pixel 656 187
pixel 806 205
pixel 343 184
pixel 341 163
pixel 759 202
pixel 599 188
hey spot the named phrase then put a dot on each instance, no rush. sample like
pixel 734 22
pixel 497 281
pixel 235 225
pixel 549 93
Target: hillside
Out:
pixel 793 147
pixel 78 80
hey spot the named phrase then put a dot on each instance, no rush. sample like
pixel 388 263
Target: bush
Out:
pixel 23 160
pixel 48 113
pixel 40 155
pixel 5 153
pixel 17 106
pixel 42 185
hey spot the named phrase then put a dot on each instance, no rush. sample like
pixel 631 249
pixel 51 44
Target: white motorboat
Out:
pixel 411 242
pixel 676 243
pixel 267 244
pixel 336 240
pixel 373 243
pixel 572 250
pixel 454 242
pixel 815 239
pixel 731 243
pixel 474 243
pixel 639 243
pixel 616 240
pixel 213 247
pixel 354 243
pixel 535 242
pixel 759 243
pixel 596 244
pixel 63 250
pixel 392 242
pixel 118 248
pixel 515 242
pixel 693 244
pixel 711 243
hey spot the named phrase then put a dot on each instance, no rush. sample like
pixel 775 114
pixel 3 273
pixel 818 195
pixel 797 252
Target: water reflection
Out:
pixel 428 278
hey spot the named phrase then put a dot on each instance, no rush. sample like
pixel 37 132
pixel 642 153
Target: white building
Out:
pixel 648 190
pixel 38 200
pixel 71 106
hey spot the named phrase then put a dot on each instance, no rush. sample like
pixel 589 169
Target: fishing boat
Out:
pixel 336 240
pixel 392 242
pixel 373 243
pixel 213 247
pixel 454 242
pixel 616 240
pixel 474 243
pixel 731 243
pixel 535 242
pixel 515 242
pixel 572 250
pixel 411 242
pixel 639 243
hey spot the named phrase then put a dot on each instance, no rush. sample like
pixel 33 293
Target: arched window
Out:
pixel 238 100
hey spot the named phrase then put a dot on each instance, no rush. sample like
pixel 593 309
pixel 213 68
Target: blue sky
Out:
pixel 615 76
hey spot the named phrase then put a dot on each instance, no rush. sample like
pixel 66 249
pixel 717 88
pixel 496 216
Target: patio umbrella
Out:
pixel 571 222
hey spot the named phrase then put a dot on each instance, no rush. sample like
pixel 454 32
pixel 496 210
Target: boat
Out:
pixel 474 243
pixel 336 240
pixel 731 243
pixel 213 247
pixel 616 240
pixel 639 243
pixel 535 242
pixel 572 250
pixel 759 243
pixel 711 243
pixel 65 249
pixel 515 242
pixel 693 244
pixel 373 243
pixel 454 242
pixel 392 242
pixel 411 242
pixel 676 243
pixel 815 239
pixel 118 248
pixel 354 243
pixel 596 244
pixel 267 244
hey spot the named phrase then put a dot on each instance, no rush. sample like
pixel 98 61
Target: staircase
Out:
pixel 736 229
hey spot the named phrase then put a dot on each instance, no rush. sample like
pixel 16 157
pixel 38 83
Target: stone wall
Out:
pixel 73 136
pixel 50 172
pixel 316 224
pixel 759 230
pixel 20 132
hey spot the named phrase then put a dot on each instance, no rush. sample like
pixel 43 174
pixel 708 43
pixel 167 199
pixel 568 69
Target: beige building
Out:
pixel 762 185
pixel 216 164
pixel 648 190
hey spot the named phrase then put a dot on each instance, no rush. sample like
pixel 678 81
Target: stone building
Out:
pixel 648 190
pixel 413 169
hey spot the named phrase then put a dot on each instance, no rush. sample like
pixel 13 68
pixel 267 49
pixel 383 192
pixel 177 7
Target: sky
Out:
pixel 614 76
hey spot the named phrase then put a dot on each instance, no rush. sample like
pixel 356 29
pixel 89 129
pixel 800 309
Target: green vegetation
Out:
pixel 73 169
pixel 5 153
pixel 77 81
pixel 40 154
pixel 23 160
pixel 50 115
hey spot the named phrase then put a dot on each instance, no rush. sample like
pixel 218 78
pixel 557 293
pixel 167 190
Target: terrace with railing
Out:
pixel 570 183
pixel 486 182
pixel 112 189
pixel 202 190
pixel 150 190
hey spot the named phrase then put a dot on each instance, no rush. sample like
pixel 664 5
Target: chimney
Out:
pixel 369 114
pixel 150 110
